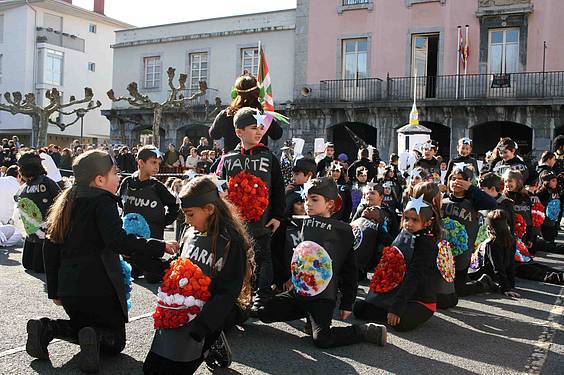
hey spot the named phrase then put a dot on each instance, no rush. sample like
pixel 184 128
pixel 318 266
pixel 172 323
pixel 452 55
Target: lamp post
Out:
pixel 80 113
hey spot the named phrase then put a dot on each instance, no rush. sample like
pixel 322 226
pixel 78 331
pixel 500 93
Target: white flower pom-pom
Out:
pixel 183 282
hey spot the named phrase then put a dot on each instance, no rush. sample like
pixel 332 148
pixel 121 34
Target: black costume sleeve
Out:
pixel 422 254
pixel 169 201
pixel 52 188
pixel 123 186
pixel 219 124
pixel 225 289
pixel 278 194
pixel 507 206
pixel 275 130
pixel 481 200
pixel 52 260
pixel 349 276
pixel 496 256
pixel 114 236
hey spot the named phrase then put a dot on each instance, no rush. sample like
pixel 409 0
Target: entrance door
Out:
pixel 424 63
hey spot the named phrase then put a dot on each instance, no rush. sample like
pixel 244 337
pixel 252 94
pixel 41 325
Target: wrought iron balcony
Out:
pixel 450 87
pixel 355 2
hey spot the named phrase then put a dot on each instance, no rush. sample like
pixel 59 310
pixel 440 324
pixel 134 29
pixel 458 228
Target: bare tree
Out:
pixel 42 115
pixel 174 101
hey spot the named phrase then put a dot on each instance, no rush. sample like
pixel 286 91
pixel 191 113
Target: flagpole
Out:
pixel 458 34
pixel 465 59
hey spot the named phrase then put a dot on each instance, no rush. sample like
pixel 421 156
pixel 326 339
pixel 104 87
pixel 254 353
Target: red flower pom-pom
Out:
pixel 538 214
pixel 520 226
pixel 389 272
pixel 183 293
pixel 250 194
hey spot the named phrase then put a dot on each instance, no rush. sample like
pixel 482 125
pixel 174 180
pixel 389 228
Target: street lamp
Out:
pixel 80 113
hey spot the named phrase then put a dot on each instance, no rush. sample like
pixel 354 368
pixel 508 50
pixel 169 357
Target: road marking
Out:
pixel 537 359
pixel 20 349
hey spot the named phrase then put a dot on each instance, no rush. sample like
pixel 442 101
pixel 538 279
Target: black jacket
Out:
pixel 422 277
pixel 529 174
pixel 499 263
pixel 466 160
pixel 87 263
pixel 364 162
pixel 223 127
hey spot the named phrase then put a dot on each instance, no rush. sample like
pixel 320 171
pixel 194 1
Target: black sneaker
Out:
pixel 488 284
pixel 219 355
pixel 38 337
pixel 89 359
pixel 307 328
pixel 374 333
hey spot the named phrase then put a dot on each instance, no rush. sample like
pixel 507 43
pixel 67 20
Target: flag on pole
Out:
pixel 466 50
pixel 461 48
pixel 264 82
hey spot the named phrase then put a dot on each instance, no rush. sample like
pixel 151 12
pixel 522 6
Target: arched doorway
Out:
pixel 441 134
pixel 144 135
pixel 348 137
pixel 558 131
pixel 194 132
pixel 485 136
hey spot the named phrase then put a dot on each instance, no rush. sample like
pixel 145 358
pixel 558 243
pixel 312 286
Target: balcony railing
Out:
pixel 451 87
pixel 57 38
pixel 355 2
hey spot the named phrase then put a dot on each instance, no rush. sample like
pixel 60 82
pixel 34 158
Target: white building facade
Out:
pixel 213 50
pixel 48 44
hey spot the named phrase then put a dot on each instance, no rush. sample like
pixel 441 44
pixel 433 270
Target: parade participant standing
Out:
pixel 256 187
pixel 336 172
pixel 324 164
pixel 9 186
pixel 507 150
pixel 464 149
pixel 462 204
pixel 414 301
pixel 34 199
pixel 146 201
pixel 83 269
pixel 362 161
pixel 219 245
pixel 357 187
pixel 245 94
pixel 429 162
pixel 328 244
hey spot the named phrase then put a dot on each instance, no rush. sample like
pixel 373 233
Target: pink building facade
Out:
pixel 356 59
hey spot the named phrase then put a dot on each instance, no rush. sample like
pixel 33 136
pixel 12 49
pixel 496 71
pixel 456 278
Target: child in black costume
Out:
pixel 147 200
pixel 490 183
pixel 34 199
pixel 549 196
pixel 463 158
pixel 218 244
pixel 323 263
pixel 415 300
pixel 84 275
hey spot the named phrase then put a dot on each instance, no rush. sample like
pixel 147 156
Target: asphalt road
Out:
pixel 485 334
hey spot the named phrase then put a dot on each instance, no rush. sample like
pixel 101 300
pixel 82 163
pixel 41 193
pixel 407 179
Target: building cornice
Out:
pixel 180 38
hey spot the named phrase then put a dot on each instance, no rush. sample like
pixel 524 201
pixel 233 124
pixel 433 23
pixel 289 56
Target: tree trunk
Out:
pixel 157 115
pixel 39 130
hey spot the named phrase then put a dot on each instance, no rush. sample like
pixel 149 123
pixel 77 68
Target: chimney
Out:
pixel 98 6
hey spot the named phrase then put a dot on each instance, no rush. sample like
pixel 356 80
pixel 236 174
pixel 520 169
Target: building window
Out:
pixel 198 69
pixel 92 66
pixel 355 2
pixel 503 51
pixel 54 67
pixel 250 60
pixel 152 72
pixel 92 28
pixel 355 58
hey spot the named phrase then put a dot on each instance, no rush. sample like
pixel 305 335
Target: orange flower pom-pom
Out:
pixel 183 293
pixel 250 194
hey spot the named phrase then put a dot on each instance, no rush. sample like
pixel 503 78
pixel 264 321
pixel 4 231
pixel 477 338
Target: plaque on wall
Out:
pixel 501 81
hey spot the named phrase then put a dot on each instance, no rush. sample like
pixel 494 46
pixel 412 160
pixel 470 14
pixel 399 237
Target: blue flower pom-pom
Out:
pixel 553 209
pixel 455 233
pixel 127 279
pixel 136 224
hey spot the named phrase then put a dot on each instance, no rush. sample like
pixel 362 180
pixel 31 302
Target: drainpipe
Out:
pixel 34 81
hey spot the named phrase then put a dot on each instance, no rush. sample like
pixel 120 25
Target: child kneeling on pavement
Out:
pixel 321 264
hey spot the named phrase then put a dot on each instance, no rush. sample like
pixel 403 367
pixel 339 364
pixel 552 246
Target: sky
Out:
pixel 145 13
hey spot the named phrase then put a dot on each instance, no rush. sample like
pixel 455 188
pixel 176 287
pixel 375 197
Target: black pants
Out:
pixel 32 257
pixel 263 260
pixel 549 232
pixel 415 314
pixel 286 306
pixel 157 365
pixel 534 271
pixel 104 314
pixel 464 286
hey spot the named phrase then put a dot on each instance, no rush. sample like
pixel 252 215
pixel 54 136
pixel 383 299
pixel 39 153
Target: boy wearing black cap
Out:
pixel 323 262
pixel 147 201
pixel 252 157
pixel 34 199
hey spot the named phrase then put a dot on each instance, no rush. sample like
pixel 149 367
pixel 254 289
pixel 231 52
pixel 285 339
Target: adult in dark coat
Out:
pixel 247 91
